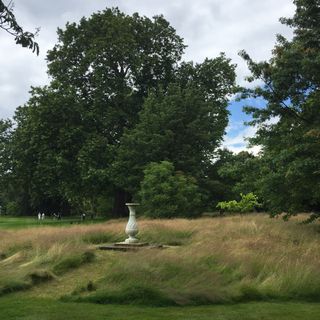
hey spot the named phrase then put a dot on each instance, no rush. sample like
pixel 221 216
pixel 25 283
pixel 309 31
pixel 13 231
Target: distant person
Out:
pixel 83 217
pixel 39 216
pixel 42 216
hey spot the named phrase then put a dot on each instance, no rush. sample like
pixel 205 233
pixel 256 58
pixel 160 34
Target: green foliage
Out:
pixel 75 141
pixel 288 127
pixel 9 23
pixel 240 172
pixel 232 206
pixel 231 174
pixel 12 208
pixel 183 124
pixel 65 136
pixel 248 203
pixel 166 193
pixel 118 100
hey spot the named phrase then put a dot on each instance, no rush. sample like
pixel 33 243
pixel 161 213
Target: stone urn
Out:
pixel 132 226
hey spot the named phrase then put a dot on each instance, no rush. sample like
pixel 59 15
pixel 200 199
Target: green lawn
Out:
pixel 8 222
pixel 18 307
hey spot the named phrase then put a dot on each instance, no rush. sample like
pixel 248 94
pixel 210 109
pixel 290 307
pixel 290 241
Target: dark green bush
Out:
pixel 165 193
pixel 12 208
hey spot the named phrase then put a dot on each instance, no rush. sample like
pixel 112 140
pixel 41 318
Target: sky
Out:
pixel 207 26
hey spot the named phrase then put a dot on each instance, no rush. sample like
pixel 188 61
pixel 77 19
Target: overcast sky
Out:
pixel 207 26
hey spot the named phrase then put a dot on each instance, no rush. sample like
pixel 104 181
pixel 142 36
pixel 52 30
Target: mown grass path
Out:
pixel 17 307
pixel 8 222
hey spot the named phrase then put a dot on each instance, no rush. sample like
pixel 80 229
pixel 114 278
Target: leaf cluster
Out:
pixel 248 203
pixel 9 23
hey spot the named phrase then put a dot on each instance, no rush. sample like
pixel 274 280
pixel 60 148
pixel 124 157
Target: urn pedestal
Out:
pixel 132 226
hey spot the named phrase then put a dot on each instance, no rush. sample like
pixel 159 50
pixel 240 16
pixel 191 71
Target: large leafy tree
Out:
pixel 9 23
pixel 118 58
pixel 101 71
pixel 110 61
pixel 117 84
pixel 289 124
pixel 183 124
pixel 43 149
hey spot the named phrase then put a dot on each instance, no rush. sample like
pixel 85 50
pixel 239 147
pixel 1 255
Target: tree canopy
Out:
pixel 184 125
pixel 119 96
pixel 289 124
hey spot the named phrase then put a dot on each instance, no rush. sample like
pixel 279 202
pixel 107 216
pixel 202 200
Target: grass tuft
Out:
pixel 167 236
pixel 101 237
pixel 14 286
pixel 40 276
pixel 137 295
pixel 72 261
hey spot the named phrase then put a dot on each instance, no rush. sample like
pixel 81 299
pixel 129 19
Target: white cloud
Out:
pixel 239 142
pixel 237 136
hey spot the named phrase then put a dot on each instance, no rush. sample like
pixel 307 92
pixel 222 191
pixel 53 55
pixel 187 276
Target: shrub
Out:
pixel 12 208
pixel 248 203
pixel 166 193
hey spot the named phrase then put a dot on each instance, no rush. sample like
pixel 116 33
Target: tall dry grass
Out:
pixel 212 260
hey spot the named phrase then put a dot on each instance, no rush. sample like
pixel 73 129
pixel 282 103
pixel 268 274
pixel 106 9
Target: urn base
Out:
pixel 131 240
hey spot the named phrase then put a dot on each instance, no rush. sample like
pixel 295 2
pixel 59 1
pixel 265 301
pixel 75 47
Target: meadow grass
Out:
pixel 209 261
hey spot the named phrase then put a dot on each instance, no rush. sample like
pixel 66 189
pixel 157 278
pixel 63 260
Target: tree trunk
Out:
pixel 119 206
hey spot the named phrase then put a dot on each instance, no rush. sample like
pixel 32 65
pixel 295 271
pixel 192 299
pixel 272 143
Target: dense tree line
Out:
pixel 119 98
pixel 124 118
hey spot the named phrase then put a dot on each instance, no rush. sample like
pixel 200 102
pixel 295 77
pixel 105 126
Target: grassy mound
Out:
pixel 211 260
